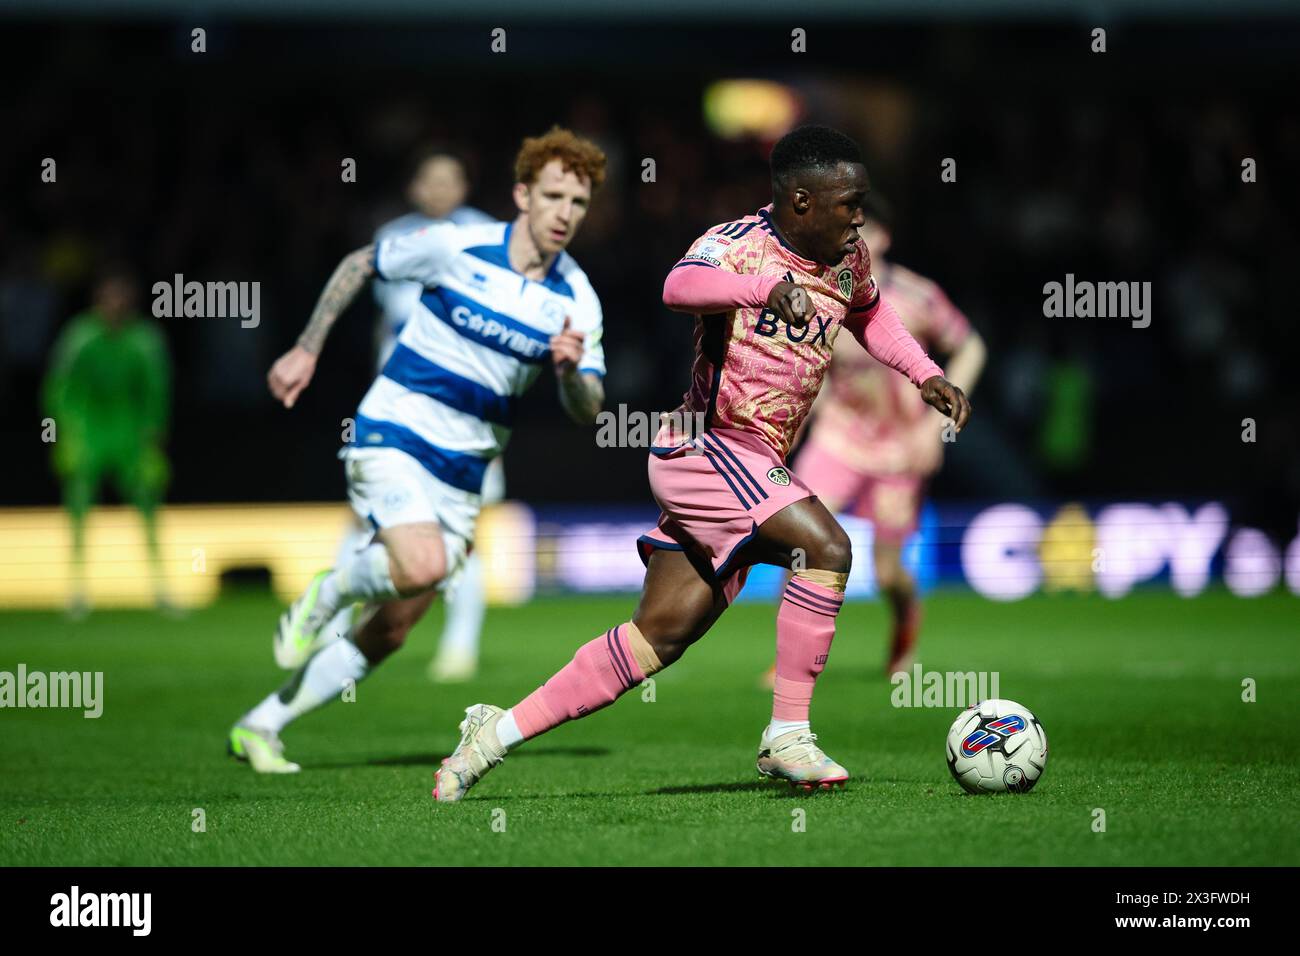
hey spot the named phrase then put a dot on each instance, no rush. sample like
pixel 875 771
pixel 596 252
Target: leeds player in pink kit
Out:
pixel 771 292
pixel 872 443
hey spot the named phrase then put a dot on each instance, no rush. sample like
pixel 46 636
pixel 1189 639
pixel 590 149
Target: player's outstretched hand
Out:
pixel 791 303
pixel 566 349
pixel 290 374
pixel 948 398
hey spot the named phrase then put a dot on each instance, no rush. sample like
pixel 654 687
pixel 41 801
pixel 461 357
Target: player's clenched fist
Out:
pixel 791 303
pixel 566 349
pixel 290 375
pixel 948 398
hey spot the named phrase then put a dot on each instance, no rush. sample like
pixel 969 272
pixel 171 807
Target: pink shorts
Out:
pixel 892 503
pixel 714 493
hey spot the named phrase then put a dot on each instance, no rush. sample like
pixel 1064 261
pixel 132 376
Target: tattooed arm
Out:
pixel 293 371
pixel 339 292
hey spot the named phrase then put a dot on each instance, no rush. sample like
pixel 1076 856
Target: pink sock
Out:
pixel 805 626
pixel 598 674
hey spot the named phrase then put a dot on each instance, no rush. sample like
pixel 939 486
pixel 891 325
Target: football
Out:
pixel 997 746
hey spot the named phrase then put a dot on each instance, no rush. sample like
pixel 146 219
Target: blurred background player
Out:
pixel 873 443
pixel 107 389
pixel 499 301
pixel 438 189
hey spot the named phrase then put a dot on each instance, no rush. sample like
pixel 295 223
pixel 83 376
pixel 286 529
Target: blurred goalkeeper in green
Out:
pixel 108 391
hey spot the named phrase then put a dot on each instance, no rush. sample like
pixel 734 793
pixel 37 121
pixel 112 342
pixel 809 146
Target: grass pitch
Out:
pixel 1141 700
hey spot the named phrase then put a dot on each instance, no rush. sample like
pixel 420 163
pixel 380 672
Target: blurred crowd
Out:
pixel 236 175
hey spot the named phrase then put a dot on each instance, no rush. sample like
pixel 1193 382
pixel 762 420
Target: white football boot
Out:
pixel 795 757
pixel 261 749
pixel 306 627
pixel 478 752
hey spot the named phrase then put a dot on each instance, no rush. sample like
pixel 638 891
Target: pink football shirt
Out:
pixel 751 370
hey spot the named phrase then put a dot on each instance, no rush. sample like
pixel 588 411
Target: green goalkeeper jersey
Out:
pixel 107 388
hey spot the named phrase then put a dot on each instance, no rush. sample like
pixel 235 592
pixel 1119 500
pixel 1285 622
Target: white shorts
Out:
pixel 388 487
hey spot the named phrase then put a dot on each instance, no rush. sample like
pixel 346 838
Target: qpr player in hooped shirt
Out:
pixel 499 301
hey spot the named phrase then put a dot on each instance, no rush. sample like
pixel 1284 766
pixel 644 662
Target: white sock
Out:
pixel 348 622
pixel 271 714
pixel 778 727
pixel 328 598
pixel 340 625
pixel 508 731
pixel 320 680
pixel 465 611
pixel 354 539
pixel 366 577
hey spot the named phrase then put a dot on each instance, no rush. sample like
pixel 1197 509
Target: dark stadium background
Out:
pixel 1123 166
